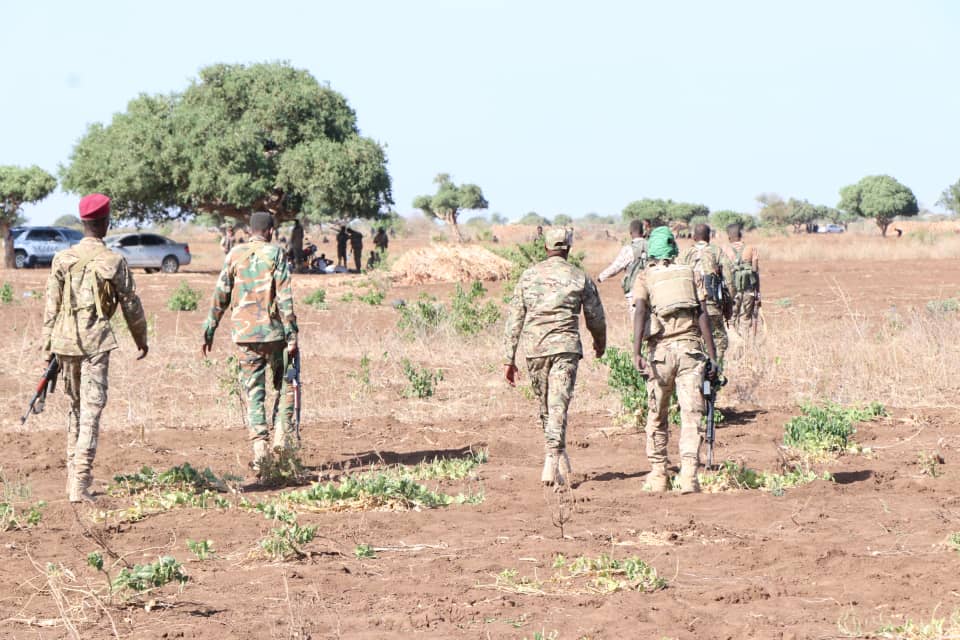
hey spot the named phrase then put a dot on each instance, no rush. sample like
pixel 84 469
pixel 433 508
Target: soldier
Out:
pixel 255 278
pixel 296 246
pixel 228 239
pixel 356 247
pixel 745 280
pixel 86 284
pixel 632 259
pixel 545 307
pixel 342 247
pixel 713 272
pixel 679 328
pixel 380 240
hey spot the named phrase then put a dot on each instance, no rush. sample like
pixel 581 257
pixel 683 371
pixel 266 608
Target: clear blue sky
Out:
pixel 552 106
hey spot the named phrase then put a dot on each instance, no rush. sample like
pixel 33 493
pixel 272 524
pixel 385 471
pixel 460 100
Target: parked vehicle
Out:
pixel 150 251
pixel 831 228
pixel 33 246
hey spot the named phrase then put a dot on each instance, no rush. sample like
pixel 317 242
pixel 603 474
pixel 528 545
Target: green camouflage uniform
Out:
pixel 710 259
pixel 677 360
pixel 545 311
pixel 86 284
pixel 744 302
pixel 256 280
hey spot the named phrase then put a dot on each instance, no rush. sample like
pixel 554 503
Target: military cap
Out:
pixel 556 238
pixel 94 206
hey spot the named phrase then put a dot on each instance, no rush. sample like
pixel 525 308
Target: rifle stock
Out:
pixel 47 384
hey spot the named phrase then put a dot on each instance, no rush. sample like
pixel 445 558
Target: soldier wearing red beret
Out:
pixel 87 283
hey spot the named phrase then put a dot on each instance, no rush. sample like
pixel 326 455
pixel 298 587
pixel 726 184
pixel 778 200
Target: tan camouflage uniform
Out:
pixel 256 280
pixel 622 263
pixel 744 302
pixel 85 279
pixel 711 259
pixel 545 311
pixel 676 358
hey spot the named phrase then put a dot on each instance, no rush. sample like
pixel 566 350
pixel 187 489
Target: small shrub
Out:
pixel 954 541
pixel 203 549
pixel 625 379
pixel 6 293
pixel 374 297
pixel 929 463
pixel 12 520
pixel 280 468
pixel 943 307
pixel 364 551
pixel 422 381
pixel 286 541
pixel 827 427
pixel 347 297
pixel 422 317
pixel 185 298
pixel 468 315
pixel 149 576
pixel 784 303
pixel 317 299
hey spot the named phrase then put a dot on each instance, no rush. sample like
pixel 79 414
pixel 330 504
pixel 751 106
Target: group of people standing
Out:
pixel 679 307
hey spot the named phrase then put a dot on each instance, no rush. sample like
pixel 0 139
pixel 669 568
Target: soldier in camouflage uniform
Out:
pixel 745 265
pixel 631 260
pixel 679 329
pixel 545 310
pixel 86 284
pixel 256 279
pixel 712 271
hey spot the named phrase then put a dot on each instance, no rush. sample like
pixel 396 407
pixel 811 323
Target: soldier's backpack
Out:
pixel 639 263
pixel 705 261
pixel 744 277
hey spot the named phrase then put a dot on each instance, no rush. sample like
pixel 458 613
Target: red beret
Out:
pixel 94 206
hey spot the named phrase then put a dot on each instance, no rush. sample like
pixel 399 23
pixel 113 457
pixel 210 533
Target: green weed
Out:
pixel 446 468
pixel 930 463
pixel 422 381
pixel 145 577
pixel 784 303
pixel 827 427
pixel 374 297
pixel 203 549
pixel 317 299
pixel 585 575
pixel 467 315
pixel 954 541
pixel 185 298
pixel 733 476
pixel 281 467
pixel 6 293
pixel 182 476
pixel 13 520
pixel 286 541
pixel 347 297
pixel 364 551
pixel 942 307
pixel 935 629
pixel 371 491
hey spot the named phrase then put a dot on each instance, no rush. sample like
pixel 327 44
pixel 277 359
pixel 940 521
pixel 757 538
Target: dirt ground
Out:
pixel 840 558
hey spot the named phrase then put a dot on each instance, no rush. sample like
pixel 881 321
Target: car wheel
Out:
pixel 20 260
pixel 150 270
pixel 170 264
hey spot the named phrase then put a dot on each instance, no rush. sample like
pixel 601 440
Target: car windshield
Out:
pixel 73 235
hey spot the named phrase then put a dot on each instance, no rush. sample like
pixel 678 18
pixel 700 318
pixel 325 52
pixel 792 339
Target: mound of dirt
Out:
pixel 449 263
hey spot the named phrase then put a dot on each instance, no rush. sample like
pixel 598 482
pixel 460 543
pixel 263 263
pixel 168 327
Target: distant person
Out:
pixel 679 331
pixel 373 260
pixel 87 283
pixel 356 247
pixel 342 247
pixel 712 271
pixel 745 280
pixel 539 236
pixel 544 311
pixel 228 240
pixel 380 240
pixel 632 259
pixel 255 284
pixel 296 245
pixel 899 231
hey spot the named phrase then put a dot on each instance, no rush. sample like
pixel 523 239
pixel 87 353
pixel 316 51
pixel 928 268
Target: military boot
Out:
pixel 549 474
pixel 688 477
pixel 79 488
pixel 657 480
pixel 69 475
pixel 260 451
pixel 564 470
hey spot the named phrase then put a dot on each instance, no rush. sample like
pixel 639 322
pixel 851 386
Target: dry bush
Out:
pixel 919 242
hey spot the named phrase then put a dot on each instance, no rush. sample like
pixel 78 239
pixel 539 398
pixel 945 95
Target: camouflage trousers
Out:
pixel 255 359
pixel 744 304
pixel 85 383
pixel 720 342
pixel 553 378
pixel 676 365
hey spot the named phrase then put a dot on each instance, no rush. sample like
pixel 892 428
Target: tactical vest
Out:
pixel 639 263
pixel 744 277
pixel 705 261
pixel 671 289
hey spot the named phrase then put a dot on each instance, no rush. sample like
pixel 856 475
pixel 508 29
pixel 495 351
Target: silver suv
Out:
pixel 37 245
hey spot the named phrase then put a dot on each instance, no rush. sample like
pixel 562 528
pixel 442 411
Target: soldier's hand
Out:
pixel 599 350
pixel 510 373
pixel 205 349
pixel 143 352
pixel 642 366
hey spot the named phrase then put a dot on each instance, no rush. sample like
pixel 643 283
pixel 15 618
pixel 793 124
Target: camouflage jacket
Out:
pixel 545 309
pixel 256 279
pixel 75 320
pixel 711 258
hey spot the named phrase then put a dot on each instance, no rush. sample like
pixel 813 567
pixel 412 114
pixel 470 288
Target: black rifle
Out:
pixel 712 380
pixel 47 384
pixel 293 379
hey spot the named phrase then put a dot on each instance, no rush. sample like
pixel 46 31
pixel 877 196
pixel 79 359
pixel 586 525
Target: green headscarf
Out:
pixel 661 244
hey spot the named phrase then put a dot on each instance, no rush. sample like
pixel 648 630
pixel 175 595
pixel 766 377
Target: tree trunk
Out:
pixel 8 253
pixel 883 224
pixel 456 228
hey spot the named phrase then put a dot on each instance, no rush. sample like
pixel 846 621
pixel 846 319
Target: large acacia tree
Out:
pixel 878 197
pixel 950 198
pixel 449 200
pixel 239 139
pixel 19 186
pixel 658 211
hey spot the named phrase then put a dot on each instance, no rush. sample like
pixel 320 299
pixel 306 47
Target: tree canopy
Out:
pixel 720 220
pixel 19 186
pixel 534 219
pixel 950 198
pixel 659 211
pixel 239 139
pixel 562 219
pixel 449 200
pixel 879 197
